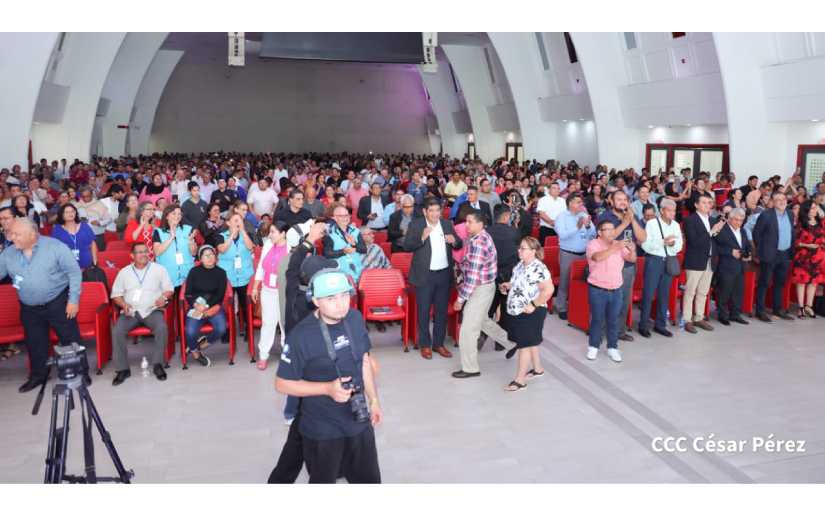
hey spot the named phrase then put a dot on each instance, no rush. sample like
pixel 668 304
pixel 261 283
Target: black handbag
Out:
pixel 672 267
pixel 95 273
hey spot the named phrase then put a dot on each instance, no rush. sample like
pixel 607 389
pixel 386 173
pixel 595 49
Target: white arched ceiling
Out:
pixel 447 107
pixel 121 87
pixel 490 105
pixel 521 61
pixel 87 58
pixel 23 63
pixel 147 99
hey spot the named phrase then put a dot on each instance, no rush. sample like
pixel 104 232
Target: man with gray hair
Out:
pixel 734 250
pixel 663 239
pixel 400 222
pixel 47 278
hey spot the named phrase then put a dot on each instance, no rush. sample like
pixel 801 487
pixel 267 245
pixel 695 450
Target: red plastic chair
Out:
pixel 551 260
pixel 143 331
pixel 379 294
pixel 578 313
pixel 551 241
pixel 380 237
pixel 119 258
pixel 117 245
pixel 749 291
pixel 445 213
pixel 11 327
pixel 402 262
pixel 111 236
pixel 252 322
pixel 387 248
pixel 94 321
pixel 229 311
pixel 638 288
pixel 46 230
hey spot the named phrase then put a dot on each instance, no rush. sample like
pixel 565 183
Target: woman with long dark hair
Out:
pixel 809 260
pixel 174 245
pixel 22 207
pixel 78 236
pixel 156 190
pixel 266 286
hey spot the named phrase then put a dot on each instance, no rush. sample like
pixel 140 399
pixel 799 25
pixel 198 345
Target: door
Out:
pixel 471 151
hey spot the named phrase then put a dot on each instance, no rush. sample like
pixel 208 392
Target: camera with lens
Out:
pixel 357 402
pixel 70 361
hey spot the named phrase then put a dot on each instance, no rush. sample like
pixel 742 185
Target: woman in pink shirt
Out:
pixel 156 190
pixel 266 287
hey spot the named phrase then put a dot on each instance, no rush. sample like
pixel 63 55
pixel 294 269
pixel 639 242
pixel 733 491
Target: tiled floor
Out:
pixel 582 422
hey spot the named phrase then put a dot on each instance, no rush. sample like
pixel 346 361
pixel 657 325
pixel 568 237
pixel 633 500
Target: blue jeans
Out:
pixel 605 309
pixel 656 281
pixel 193 328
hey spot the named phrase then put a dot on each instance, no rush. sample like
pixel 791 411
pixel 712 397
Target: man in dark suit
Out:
pixel 773 242
pixel 371 208
pixel 432 240
pixel 400 222
pixel 700 252
pixel 506 238
pixel 476 203
pixel 734 251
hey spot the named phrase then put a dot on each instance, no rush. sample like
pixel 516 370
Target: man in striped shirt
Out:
pixel 475 294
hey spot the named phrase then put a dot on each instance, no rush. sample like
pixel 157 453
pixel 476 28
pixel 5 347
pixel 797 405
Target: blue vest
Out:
pixel 238 277
pixel 349 263
pixel 177 272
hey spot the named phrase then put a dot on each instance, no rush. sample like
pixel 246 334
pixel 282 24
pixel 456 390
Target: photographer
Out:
pixel 340 404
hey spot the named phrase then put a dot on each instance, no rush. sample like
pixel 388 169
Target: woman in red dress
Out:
pixel 809 260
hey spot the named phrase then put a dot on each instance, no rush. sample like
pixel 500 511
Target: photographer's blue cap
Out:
pixel 329 284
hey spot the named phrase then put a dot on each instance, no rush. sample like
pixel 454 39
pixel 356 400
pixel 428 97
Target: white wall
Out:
pixel 147 99
pixel 577 140
pixel 802 133
pixel 23 63
pixel 445 101
pixel 696 134
pixel 87 58
pixel 280 105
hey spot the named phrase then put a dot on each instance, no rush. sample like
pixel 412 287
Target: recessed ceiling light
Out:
pixel 814 120
pixel 650 127
pixel 564 120
pixel 581 119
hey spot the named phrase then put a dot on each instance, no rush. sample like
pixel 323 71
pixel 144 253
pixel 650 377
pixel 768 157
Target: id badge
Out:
pixel 238 263
pixel 273 279
pixel 18 279
pixel 136 295
pixel 179 258
pixel 76 253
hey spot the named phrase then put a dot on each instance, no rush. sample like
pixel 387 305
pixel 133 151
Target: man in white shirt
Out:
pixel 700 251
pixel 263 199
pixel 280 172
pixel 96 214
pixel 206 184
pixel 112 204
pixel 549 208
pixel 664 238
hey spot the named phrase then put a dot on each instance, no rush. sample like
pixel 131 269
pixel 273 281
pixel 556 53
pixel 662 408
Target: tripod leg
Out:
pixel 86 398
pixel 54 435
pixel 88 444
pixel 64 438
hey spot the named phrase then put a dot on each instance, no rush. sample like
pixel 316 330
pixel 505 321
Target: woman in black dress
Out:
pixel 527 292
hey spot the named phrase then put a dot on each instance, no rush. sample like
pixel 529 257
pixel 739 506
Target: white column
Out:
pixel 23 61
pixel 87 58
pixel 147 99
pixel 519 56
pixel 444 101
pixel 121 87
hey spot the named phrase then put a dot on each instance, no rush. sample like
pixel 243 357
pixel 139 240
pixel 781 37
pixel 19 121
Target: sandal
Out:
pixel 515 386
pixel 809 311
pixel 9 352
pixel 801 313
pixel 532 373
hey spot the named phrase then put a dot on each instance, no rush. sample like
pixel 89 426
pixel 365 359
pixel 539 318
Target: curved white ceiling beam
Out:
pixel 600 55
pixel 519 56
pixel 469 65
pixel 23 63
pixel 757 146
pixel 147 99
pixel 121 87
pixel 87 58
pixel 445 101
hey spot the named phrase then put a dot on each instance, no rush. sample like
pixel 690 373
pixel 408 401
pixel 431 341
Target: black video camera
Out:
pixel 70 361
pixel 357 402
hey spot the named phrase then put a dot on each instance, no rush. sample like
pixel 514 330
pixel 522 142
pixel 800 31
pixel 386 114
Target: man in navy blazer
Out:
pixel 700 255
pixel 773 241
pixel 734 250
pixel 432 239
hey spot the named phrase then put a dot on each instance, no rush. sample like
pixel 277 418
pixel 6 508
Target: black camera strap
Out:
pixel 331 349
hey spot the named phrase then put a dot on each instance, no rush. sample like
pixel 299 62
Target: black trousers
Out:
pixel 434 292
pixel 36 323
pixel 292 456
pixel 729 289
pixel 241 293
pixel 355 457
pixel 775 272
pixel 545 232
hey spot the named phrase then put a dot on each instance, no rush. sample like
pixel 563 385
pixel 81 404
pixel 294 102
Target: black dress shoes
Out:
pixel 499 347
pixel 663 331
pixel 738 319
pixel 644 332
pixel 121 376
pixel 762 316
pixel 31 383
pixel 563 316
pixel 159 372
pixel 626 338
pixel 724 322
pixel 782 314
pixel 462 374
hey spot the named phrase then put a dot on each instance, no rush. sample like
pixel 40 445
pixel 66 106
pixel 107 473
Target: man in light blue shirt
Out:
pixel 393 206
pixel 47 278
pixel 575 230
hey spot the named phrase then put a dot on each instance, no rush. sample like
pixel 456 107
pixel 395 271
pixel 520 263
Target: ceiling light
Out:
pixel 581 119
pixel 564 120
pixel 650 127
pixel 814 120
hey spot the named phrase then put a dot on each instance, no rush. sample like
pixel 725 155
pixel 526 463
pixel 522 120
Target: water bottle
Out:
pixel 681 323
pixel 400 301
pixel 144 367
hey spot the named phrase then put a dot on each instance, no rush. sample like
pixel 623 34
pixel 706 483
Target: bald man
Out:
pixel 47 279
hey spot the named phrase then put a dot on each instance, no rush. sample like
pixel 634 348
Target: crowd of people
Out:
pixel 212 224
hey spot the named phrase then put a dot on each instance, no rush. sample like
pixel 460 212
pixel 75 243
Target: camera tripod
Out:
pixel 63 394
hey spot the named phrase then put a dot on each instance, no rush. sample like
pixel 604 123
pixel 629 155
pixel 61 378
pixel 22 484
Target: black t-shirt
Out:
pixel 305 357
pixel 626 233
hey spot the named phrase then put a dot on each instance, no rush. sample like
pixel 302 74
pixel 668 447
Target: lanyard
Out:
pixel 141 280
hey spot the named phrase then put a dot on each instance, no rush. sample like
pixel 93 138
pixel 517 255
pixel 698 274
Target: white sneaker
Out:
pixel 592 352
pixel 614 354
